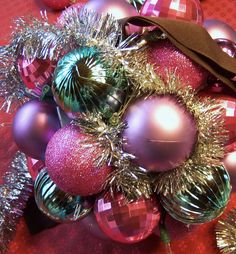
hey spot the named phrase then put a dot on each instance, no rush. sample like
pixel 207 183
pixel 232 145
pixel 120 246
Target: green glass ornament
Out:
pixel 203 201
pixel 136 3
pixel 56 204
pixel 82 79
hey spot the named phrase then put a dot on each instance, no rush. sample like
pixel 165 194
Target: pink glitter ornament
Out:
pixel 166 57
pixel 161 133
pixel 126 222
pixel 188 10
pixel 35 72
pixel 70 162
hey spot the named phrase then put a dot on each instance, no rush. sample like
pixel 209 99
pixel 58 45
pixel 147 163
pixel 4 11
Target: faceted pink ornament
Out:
pixel 160 132
pixel 34 167
pixel 36 72
pixel 164 56
pixel 126 222
pixel 188 10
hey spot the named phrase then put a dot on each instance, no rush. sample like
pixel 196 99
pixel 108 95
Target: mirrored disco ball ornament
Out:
pixel 203 201
pixel 126 222
pixel 56 204
pixel 188 10
pixel 81 80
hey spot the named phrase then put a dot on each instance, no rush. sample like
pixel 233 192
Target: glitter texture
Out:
pixel 166 57
pixel 126 222
pixel 70 161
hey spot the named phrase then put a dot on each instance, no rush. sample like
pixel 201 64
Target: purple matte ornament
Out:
pixel 117 8
pixel 218 29
pixel 161 133
pixel 34 125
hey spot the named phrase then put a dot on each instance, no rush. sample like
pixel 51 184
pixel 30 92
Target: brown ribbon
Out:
pixel 195 42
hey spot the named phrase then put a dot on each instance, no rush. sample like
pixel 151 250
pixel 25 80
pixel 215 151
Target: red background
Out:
pixel 74 238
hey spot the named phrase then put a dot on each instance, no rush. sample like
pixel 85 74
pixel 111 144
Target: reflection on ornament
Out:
pixel 81 79
pixel 126 222
pixel 230 165
pixel 203 201
pixel 34 125
pixel 35 72
pixel 188 10
pixel 160 132
pixel 227 46
pixel 166 57
pixel 218 29
pixel 71 162
pixel 56 204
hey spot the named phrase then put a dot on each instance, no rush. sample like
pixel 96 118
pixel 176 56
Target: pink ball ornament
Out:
pixel 58 5
pixel 165 56
pixel 229 163
pixel 160 133
pixel 126 222
pixel 119 9
pixel 188 10
pixel 35 72
pixel 220 30
pixel 70 163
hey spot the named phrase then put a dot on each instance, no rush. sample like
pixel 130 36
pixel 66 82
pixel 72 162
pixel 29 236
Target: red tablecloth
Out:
pixel 74 238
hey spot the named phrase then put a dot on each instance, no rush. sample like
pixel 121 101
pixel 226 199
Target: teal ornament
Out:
pixel 82 79
pixel 136 3
pixel 56 204
pixel 203 201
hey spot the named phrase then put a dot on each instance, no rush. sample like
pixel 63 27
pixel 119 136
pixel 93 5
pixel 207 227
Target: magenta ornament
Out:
pixel 160 132
pixel 187 10
pixel 126 222
pixel 220 30
pixel 35 72
pixel 163 55
pixel 119 9
pixel 229 163
pixel 34 125
pixel 70 162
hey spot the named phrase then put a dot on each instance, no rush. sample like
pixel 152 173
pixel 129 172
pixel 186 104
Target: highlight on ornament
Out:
pixel 116 122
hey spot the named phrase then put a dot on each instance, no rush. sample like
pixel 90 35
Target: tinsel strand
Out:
pixel 14 194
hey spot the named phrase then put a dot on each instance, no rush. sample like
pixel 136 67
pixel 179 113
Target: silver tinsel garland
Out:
pixel 14 194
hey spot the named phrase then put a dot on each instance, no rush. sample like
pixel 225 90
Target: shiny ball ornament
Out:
pixel 56 204
pixel 220 30
pixel 36 72
pixel 81 79
pixel 58 5
pixel 165 56
pixel 34 125
pixel 126 222
pixel 160 132
pixel 203 201
pixel 229 163
pixel 119 9
pixel 187 10
pixel 70 161
pixel 227 46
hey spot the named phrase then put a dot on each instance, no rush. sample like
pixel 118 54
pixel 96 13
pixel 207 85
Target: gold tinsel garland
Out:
pixel 226 233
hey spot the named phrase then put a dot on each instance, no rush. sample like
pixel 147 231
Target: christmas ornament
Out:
pixel 119 9
pixel 203 201
pixel 227 46
pixel 58 5
pixel 230 165
pixel 81 79
pixel 126 222
pixel 226 233
pixel 166 57
pixel 35 72
pixel 136 3
pixel 34 125
pixel 14 193
pixel 220 30
pixel 34 166
pixel 160 132
pixel 56 204
pixel 189 10
pixel 71 162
